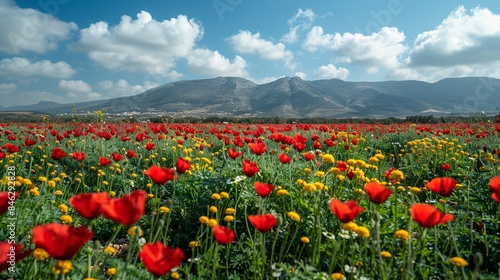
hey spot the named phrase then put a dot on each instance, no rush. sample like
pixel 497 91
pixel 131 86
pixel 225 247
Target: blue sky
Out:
pixel 72 50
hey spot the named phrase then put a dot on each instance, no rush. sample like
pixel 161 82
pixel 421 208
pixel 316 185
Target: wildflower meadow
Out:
pixel 249 201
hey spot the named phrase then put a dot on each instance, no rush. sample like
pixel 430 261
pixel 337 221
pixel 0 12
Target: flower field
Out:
pixel 249 201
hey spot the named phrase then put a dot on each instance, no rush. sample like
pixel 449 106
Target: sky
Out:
pixel 69 51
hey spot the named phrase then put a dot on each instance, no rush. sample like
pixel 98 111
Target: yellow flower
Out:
pixel 402 234
pixel 385 255
pixel 66 219
pixel 305 239
pixel 150 195
pixel 212 223
pixel 40 254
pixel 203 219
pixel 228 218
pixel 58 192
pixel 62 267
pixel 294 216
pixel 396 175
pixel 328 158
pixel 415 190
pixel 307 170
pixel 175 275
pixel 193 244
pixel 34 191
pixel 230 211
pixel 111 271
pixel 337 276
pixel 309 187
pixel 224 195
pixel 458 261
pixel 133 230
pixel 42 179
pixel 63 207
pixel 215 196
pixel 282 192
pixel 52 183
pixel 164 209
pixel 110 250
pixel 350 226
pixel 213 209
pixel 27 181
pixel 335 171
pixel 363 231
pixel 319 174
pixel 401 189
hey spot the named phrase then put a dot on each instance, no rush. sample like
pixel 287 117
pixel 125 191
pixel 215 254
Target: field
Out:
pixel 249 201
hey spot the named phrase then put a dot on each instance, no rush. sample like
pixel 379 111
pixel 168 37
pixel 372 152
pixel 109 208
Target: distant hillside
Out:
pixel 292 97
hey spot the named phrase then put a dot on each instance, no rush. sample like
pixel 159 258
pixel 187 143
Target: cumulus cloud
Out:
pixel 463 38
pixel 301 75
pixel 330 71
pixel 7 88
pixel 246 42
pixel 141 45
pixel 75 86
pixel 30 30
pixel 18 66
pixel 213 63
pixel 380 49
pixel 123 88
pixel 298 23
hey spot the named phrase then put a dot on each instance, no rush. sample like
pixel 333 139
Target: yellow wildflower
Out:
pixel 111 271
pixel 458 261
pixel 63 267
pixel 40 254
pixel 164 209
pixel 294 216
pixel 133 230
pixel 402 234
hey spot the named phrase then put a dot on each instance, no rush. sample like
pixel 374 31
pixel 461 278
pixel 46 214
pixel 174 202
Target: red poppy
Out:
pixel 345 212
pixel 223 235
pixel 354 141
pixel 442 185
pixel 131 154
pixel 125 210
pixel 445 166
pixel 58 154
pixel 104 161
pixel 149 146
pixel 378 194
pixel 263 189
pixel 7 199
pixel 62 242
pixel 308 156
pixel 79 156
pixel 257 148
pixel 341 165
pixel 88 205
pixel 263 223
pixel 182 165
pixel 428 216
pixel 160 175
pixel 116 157
pixel 233 153
pixel 250 168
pixel 284 158
pixel 11 148
pixel 495 188
pixel 159 259
pixel 10 254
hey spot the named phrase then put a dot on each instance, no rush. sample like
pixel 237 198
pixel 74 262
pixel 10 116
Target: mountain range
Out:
pixel 293 97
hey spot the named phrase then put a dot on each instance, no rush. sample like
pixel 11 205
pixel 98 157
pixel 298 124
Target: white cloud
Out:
pixel 331 71
pixel 301 75
pixel 299 22
pixel 213 63
pixel 246 42
pixel 463 38
pixel 78 86
pixel 7 88
pixel 123 88
pixel 264 80
pixel 18 66
pixel 141 45
pixel 30 30
pixel 380 49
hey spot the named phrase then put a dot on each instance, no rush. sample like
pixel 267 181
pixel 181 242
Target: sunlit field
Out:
pixel 248 201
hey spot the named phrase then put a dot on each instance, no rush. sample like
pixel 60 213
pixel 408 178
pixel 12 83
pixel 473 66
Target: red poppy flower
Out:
pixel 58 154
pixel 223 235
pixel 149 146
pixel 345 212
pixel 378 194
pixel 62 242
pixel 131 154
pixel 7 199
pixel 428 216
pixel 341 165
pixel 125 210
pixel 116 157
pixel 160 175
pixel 263 223
pixel 445 166
pixel 158 259
pixel 284 158
pixel 308 156
pixel 104 161
pixel 233 153
pixel 79 156
pixel 442 185
pixel 263 189
pixel 257 148
pixel 88 205
pixel 495 188
pixel 11 148
pixel 6 253
pixel 250 168
pixel 182 165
